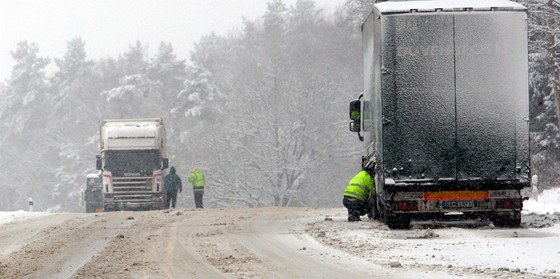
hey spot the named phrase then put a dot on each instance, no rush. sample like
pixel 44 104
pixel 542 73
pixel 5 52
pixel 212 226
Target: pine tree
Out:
pixel 76 108
pixel 23 120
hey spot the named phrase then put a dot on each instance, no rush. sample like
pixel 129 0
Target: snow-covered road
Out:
pixel 273 243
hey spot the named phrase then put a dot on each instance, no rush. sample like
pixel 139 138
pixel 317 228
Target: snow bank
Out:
pixel 10 216
pixel 547 202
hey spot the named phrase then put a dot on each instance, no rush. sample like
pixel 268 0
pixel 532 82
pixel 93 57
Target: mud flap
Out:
pixel 398 221
pixel 506 219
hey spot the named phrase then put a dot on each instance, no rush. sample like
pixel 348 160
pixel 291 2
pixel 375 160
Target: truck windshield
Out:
pixel 93 182
pixel 132 160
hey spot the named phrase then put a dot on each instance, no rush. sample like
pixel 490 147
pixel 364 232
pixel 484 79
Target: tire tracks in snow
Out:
pixel 60 249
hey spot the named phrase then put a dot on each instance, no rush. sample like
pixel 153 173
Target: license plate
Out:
pixel 457 204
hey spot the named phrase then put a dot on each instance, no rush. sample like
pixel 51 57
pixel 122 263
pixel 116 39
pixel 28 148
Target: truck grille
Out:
pixel 132 189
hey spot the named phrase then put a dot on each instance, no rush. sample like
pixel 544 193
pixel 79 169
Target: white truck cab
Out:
pixel 133 162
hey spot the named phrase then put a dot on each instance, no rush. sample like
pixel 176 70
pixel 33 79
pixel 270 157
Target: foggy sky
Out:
pixel 109 27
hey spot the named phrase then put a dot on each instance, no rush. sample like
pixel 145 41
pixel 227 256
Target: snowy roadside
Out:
pixel 542 212
pixel 531 251
pixel 12 216
pixel 548 202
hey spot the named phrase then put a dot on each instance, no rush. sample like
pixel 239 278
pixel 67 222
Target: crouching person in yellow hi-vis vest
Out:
pixel 360 196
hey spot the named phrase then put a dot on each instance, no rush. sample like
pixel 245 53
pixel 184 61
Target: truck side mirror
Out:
pixel 355 126
pixel 165 163
pixel 355 110
pixel 355 113
pixel 98 162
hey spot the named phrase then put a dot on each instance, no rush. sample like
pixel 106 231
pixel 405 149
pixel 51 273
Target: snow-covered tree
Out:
pixel 76 108
pixel 23 115
pixel 132 97
pixel 544 82
pixel 167 70
pixel 286 123
pixel 357 10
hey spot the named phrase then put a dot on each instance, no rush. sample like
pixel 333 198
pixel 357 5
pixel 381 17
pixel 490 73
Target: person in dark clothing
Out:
pixel 172 185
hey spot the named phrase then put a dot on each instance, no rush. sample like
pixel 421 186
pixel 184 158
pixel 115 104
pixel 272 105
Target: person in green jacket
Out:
pixel 172 184
pixel 360 195
pixel 197 180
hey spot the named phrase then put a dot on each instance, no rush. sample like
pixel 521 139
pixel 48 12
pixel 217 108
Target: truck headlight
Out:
pixel 149 183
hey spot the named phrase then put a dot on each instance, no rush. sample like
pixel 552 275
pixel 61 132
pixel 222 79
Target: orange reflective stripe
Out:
pixel 456 195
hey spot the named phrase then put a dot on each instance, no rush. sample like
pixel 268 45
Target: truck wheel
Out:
pixel 398 221
pixel 373 213
pixel 373 210
pixel 90 208
pixel 506 219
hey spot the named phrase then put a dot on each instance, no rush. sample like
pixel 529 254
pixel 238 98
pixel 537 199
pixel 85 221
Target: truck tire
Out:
pixel 506 219
pixel 373 210
pixel 398 221
pixel 90 208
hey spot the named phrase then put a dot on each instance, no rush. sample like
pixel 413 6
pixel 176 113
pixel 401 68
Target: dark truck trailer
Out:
pixel 444 113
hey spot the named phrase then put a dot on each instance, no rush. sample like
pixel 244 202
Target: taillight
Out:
pixel 508 203
pixel 405 206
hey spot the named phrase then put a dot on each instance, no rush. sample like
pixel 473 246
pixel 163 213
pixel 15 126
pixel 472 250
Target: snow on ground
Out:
pixel 547 203
pixel 11 216
pixel 530 251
